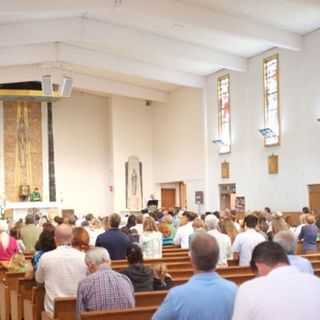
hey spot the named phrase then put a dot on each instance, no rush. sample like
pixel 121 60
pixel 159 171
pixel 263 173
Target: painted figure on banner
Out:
pixel 133 184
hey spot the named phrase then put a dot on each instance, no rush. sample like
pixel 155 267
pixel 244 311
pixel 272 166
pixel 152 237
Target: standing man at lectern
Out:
pixel 152 204
pixel 35 195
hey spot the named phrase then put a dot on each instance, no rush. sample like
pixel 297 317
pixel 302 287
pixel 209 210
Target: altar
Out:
pixel 21 209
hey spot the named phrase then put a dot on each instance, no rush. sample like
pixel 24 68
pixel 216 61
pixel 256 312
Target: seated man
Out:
pixel 103 289
pixel 61 269
pixel 288 242
pixel 245 242
pixel 113 240
pixel 281 292
pixel 206 296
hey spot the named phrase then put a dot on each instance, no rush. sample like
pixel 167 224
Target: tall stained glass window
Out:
pixel 271 100
pixel 224 114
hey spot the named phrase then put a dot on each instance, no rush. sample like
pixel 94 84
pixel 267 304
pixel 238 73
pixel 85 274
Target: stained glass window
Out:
pixel 271 99
pixel 224 114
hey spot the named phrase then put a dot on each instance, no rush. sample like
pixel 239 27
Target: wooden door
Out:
pixel 168 198
pixel 314 197
pixel 183 195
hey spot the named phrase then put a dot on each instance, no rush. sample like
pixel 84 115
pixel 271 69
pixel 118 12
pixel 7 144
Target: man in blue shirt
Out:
pixel 206 296
pixel 115 241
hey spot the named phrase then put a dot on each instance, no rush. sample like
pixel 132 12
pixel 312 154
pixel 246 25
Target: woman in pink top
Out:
pixel 8 245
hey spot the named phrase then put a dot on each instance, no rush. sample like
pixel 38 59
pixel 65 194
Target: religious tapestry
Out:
pixel 134 193
pixel 22 148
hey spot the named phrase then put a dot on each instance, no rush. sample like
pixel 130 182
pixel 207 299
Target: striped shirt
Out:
pixel 105 290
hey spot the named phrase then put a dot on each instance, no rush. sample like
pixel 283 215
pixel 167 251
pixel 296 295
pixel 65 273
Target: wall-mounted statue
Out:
pixel 134 193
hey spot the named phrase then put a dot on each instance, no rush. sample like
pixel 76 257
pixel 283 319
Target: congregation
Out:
pixel 85 251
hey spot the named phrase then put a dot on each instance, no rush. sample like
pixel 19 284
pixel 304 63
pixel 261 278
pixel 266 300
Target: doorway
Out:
pixel 168 198
pixel 314 197
pixel 226 191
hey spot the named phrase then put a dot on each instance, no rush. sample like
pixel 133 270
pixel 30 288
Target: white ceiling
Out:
pixel 300 16
pixel 154 46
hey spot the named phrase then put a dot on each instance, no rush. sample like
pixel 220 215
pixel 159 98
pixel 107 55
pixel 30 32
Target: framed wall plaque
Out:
pixel 273 164
pixel 225 170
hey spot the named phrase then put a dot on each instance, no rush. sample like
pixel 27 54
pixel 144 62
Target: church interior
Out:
pixel 194 105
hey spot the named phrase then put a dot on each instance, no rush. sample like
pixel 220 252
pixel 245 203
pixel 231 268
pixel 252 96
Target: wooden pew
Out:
pixel 143 313
pixel 33 308
pixel 8 283
pixel 65 308
pixel 17 296
pixel 148 299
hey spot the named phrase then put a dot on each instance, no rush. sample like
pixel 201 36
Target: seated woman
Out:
pixel 161 278
pixel 151 240
pixel 44 244
pixel 140 275
pixel 8 244
pixel 309 234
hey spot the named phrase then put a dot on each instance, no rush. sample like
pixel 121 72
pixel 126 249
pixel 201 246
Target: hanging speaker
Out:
pixel 46 86
pixel 66 87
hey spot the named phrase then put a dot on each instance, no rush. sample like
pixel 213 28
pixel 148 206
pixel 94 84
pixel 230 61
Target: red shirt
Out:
pixel 7 253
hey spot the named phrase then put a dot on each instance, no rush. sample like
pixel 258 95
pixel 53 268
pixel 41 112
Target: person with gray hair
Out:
pixel 224 241
pixel 103 289
pixel 288 242
pixel 206 296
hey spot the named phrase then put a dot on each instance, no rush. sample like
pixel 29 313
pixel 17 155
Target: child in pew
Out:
pixel 161 278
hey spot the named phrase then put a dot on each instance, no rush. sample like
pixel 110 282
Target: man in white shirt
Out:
pixel 182 237
pixel 288 242
pixel 224 241
pixel 61 269
pixel 245 242
pixel 280 292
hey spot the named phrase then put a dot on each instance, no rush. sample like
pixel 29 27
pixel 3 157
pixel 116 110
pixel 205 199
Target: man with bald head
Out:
pixel 61 269
pixel 206 295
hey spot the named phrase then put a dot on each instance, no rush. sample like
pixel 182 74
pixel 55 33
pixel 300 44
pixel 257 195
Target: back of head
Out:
pixel 305 210
pixel 114 220
pixel 204 252
pixel 278 224
pixel 63 234
pixel 89 217
pixel 149 225
pixel 46 241
pixel 131 221
pixel 268 253
pixel 58 220
pixel 287 240
pixel 310 219
pixel 134 254
pixel 97 256
pixel 80 239
pixel 211 222
pixel 251 221
pixel 29 219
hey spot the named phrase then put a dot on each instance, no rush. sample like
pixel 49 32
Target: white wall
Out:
pixel 132 136
pixel 178 141
pixel 83 153
pixel 299 152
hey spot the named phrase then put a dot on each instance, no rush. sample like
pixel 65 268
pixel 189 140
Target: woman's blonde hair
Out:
pixel 229 228
pixel 310 219
pixel 149 224
pixel 278 224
